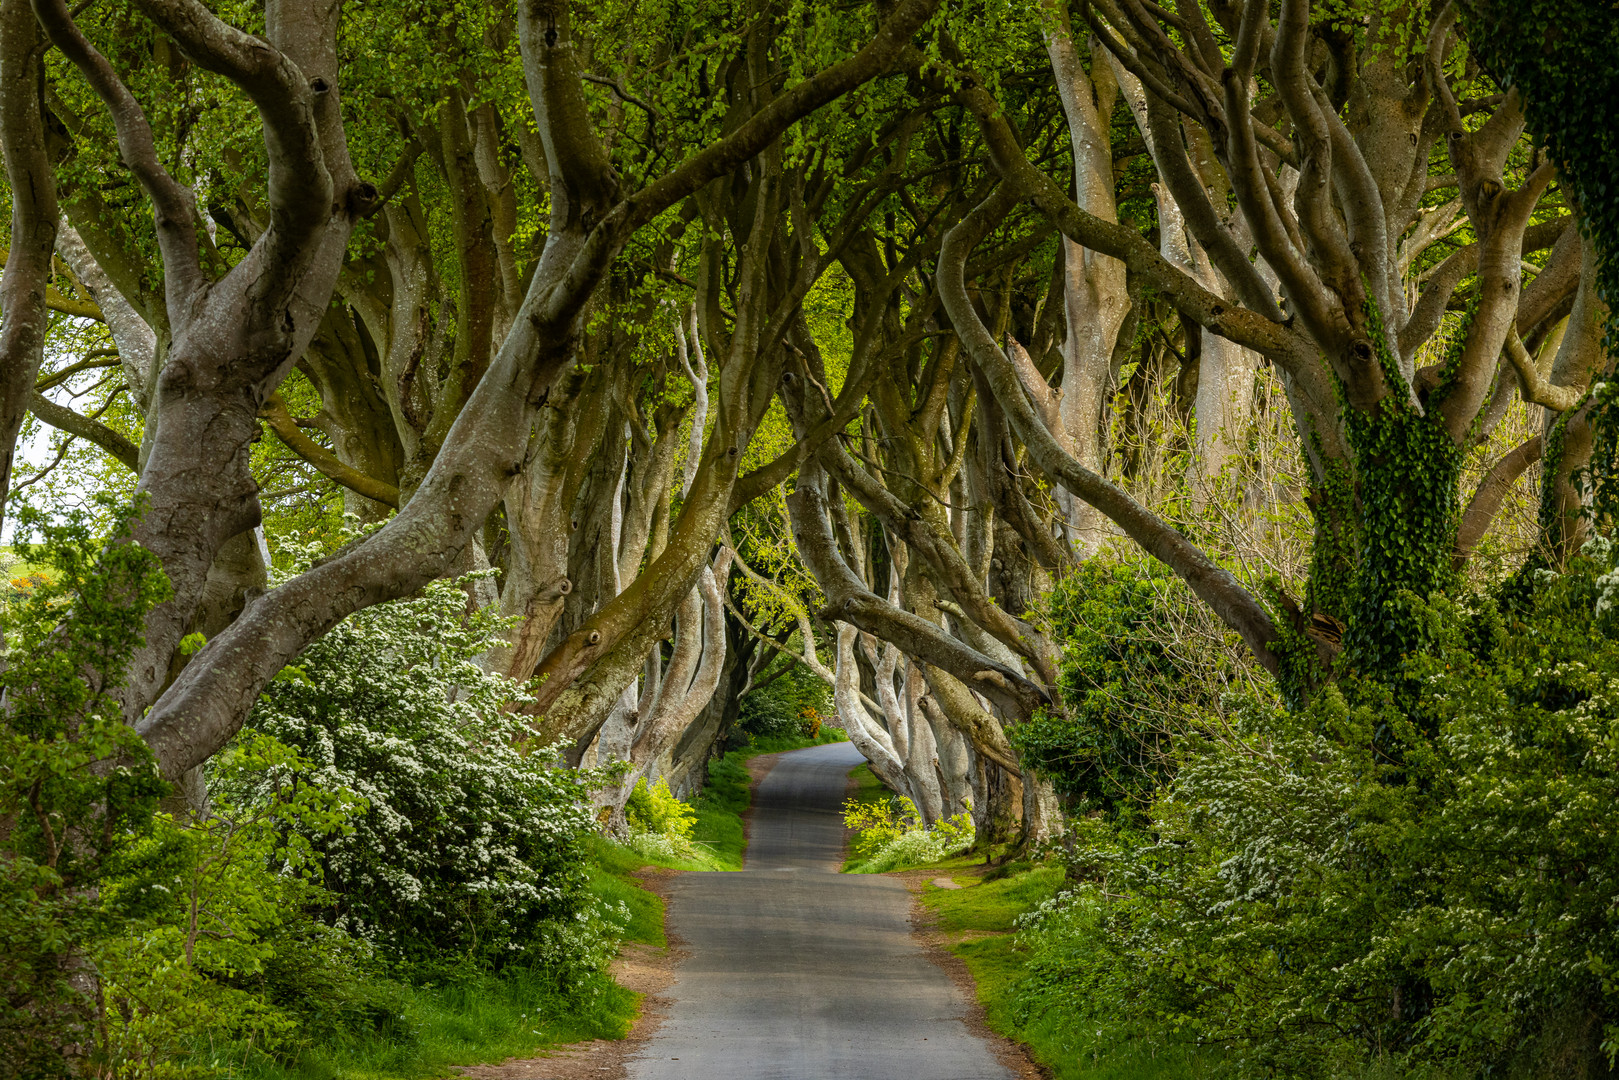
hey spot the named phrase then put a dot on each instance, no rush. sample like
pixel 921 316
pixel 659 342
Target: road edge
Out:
pixel 645 969
pixel 1014 1055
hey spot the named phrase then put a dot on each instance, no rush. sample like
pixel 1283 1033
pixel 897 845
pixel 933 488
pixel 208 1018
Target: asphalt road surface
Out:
pixel 797 972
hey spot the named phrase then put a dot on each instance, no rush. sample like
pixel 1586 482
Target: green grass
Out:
pixel 480 1020
pixel 612 879
pixel 987 905
pixel 867 788
pixel 487 1019
pixel 980 918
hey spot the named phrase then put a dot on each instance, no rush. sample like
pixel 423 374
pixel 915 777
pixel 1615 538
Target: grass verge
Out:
pixel 978 922
pixel 429 1029
pixel 476 1020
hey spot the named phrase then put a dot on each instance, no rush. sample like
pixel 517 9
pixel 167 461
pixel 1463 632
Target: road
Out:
pixel 797 972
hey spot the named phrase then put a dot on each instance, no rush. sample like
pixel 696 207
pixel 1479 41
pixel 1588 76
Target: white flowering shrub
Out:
pixel 470 848
pixel 1421 871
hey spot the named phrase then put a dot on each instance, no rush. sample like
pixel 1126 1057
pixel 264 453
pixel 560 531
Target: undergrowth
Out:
pixel 428 1029
pixel 416 1032
pixel 889 833
pixel 979 920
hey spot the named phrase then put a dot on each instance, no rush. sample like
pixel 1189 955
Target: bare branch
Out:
pixel 1536 388
pixel 1248 328
pixel 300 181
pixel 87 428
pixel 1486 500
pixel 327 463
pixel 849 600
pixel 173 206
pixel 875 57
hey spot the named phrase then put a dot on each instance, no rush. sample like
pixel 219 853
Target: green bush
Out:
pixel 1421 881
pixel 78 787
pixel 216 940
pixel 891 834
pixel 470 853
pixel 655 809
pixel 796 703
pixel 660 824
pixel 1130 683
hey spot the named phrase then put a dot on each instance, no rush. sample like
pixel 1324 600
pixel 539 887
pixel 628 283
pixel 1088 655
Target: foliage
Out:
pixel 216 939
pixel 78 788
pixel 470 850
pixel 660 824
pixel 1316 903
pixel 892 834
pixel 655 809
pixel 978 920
pixel 185 943
pixel 795 703
pixel 430 1028
pixel 1406 471
pixel 1558 54
pixel 1128 684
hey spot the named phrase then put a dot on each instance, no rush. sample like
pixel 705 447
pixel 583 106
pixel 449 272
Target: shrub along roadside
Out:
pixel 868 792
pixel 890 834
pixel 482 1019
pixel 980 922
pixel 516 1013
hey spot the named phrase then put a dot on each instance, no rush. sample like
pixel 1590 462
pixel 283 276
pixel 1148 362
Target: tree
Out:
pixel 231 329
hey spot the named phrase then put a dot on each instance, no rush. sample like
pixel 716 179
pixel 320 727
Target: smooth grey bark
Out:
pixel 536 579
pixel 850 600
pixel 1212 583
pixel 868 736
pixel 135 340
pixel 234 338
pixel 1225 370
pixel 954 758
pixel 1095 298
pixel 704 739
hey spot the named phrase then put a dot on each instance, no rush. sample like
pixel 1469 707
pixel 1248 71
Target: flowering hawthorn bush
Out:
pixel 1422 871
pixel 470 852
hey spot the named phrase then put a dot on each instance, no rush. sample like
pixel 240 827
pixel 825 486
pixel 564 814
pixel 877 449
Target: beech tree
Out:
pixel 1336 212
